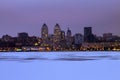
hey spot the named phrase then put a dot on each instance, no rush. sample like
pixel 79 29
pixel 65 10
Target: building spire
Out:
pixel 69 32
pixel 68 28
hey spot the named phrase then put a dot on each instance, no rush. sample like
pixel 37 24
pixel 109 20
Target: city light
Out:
pixel 59 41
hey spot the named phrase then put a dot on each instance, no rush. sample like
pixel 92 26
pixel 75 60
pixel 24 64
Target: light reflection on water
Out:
pixel 56 56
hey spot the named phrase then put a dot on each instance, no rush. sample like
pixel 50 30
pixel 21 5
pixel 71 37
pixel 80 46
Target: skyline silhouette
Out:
pixel 49 32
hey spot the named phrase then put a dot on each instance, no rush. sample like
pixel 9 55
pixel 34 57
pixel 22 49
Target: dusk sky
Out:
pixel 29 15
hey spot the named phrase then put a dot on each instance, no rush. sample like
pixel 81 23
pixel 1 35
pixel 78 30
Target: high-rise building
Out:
pixel 69 33
pixel 69 39
pixel 63 35
pixel 87 31
pixel 88 36
pixel 57 33
pixel 78 40
pixel 23 35
pixel 44 32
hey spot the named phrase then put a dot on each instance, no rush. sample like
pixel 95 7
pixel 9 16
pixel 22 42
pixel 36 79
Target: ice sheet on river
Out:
pixel 64 56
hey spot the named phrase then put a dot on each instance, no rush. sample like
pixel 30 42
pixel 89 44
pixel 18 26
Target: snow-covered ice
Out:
pixel 60 66
pixel 72 56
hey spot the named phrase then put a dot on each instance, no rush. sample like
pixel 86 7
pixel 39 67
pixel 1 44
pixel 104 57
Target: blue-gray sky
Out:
pixel 29 15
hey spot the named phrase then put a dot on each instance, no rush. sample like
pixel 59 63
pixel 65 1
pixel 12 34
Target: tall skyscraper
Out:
pixel 78 40
pixel 69 33
pixel 63 35
pixel 88 36
pixel 57 33
pixel 87 31
pixel 44 32
pixel 69 39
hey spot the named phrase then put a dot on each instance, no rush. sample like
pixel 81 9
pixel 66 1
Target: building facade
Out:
pixel 78 40
pixel 57 33
pixel 44 32
pixel 88 35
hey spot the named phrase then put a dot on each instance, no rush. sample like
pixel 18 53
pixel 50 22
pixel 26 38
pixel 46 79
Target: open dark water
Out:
pixel 60 66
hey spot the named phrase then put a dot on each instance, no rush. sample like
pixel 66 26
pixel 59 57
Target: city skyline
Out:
pixel 29 16
pixel 44 26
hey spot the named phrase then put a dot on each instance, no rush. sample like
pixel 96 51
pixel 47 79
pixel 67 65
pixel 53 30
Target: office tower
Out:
pixel 88 36
pixel 69 33
pixel 57 33
pixel 23 35
pixel 69 39
pixel 78 40
pixel 62 35
pixel 87 31
pixel 44 32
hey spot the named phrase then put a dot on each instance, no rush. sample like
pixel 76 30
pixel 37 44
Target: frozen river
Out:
pixel 60 66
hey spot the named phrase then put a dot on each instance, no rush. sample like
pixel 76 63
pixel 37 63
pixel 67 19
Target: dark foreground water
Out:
pixel 60 66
